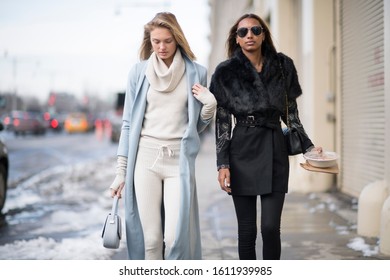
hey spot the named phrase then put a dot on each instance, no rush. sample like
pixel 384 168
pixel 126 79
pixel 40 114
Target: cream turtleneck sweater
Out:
pixel 166 114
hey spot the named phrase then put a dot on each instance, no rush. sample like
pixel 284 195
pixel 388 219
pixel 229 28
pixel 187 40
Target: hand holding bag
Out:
pixel 291 135
pixel 112 228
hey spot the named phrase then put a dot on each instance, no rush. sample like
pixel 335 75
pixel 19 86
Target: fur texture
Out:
pixel 239 88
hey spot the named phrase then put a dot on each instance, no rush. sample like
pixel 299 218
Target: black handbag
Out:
pixel 293 141
pixel 292 136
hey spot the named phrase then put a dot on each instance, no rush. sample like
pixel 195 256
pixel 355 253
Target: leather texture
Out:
pixel 293 141
pixel 112 228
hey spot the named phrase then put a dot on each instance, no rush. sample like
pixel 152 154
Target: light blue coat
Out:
pixel 188 242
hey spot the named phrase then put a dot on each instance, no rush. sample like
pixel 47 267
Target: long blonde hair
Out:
pixel 169 21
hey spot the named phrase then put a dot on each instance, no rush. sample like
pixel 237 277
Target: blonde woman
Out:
pixel 166 107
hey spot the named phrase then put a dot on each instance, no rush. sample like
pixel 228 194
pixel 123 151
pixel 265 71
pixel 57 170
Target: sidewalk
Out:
pixel 319 226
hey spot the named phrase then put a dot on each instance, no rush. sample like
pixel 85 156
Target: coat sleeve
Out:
pixel 295 123
pixel 123 145
pixel 294 90
pixel 223 128
pixel 291 80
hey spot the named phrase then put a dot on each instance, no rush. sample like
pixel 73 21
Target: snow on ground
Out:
pixel 41 248
pixel 359 244
pixel 69 204
pixel 64 209
pixel 330 203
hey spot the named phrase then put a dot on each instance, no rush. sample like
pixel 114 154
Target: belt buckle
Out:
pixel 251 119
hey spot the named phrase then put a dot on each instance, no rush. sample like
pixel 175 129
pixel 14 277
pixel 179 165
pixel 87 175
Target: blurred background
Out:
pixel 64 65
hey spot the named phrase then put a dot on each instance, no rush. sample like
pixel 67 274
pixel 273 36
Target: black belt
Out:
pixel 253 121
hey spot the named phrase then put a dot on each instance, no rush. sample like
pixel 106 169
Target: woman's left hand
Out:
pixel 197 89
pixel 207 99
pixel 203 95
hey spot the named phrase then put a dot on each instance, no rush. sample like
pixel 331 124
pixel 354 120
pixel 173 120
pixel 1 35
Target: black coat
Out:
pixel 257 156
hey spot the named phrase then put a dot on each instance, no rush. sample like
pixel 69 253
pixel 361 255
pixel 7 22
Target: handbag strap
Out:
pixel 114 210
pixel 285 91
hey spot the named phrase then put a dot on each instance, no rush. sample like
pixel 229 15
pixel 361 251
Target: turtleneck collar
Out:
pixel 162 78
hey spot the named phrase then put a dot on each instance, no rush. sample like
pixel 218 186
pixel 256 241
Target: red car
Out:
pixel 23 122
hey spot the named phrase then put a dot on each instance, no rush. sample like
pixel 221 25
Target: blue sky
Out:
pixel 84 47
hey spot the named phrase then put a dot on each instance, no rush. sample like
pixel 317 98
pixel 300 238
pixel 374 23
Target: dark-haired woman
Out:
pixel 251 86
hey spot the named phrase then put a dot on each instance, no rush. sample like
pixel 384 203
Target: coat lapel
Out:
pixel 193 104
pixel 141 91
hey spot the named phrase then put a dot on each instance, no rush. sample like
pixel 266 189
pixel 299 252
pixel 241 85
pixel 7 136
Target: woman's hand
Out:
pixel 117 186
pixel 207 99
pixel 119 181
pixel 317 150
pixel 224 179
pixel 197 90
pixel 118 192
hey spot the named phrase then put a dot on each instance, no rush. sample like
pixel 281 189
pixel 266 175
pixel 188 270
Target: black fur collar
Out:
pixel 238 87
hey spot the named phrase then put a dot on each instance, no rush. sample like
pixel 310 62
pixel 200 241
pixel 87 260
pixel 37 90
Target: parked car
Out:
pixel 3 171
pixel 23 122
pixel 76 122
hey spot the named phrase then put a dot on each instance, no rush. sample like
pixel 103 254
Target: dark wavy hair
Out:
pixel 267 48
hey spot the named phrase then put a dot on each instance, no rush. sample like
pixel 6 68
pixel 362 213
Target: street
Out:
pixel 29 155
pixel 57 194
pixel 58 200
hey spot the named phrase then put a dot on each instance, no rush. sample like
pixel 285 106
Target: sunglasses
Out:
pixel 256 30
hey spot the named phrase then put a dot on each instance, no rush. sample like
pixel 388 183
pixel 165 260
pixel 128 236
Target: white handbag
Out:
pixel 112 228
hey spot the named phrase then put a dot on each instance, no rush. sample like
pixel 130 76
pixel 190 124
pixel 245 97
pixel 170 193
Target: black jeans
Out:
pixel 271 212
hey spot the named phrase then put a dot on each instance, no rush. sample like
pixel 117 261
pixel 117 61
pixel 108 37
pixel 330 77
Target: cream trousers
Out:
pixel 157 190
